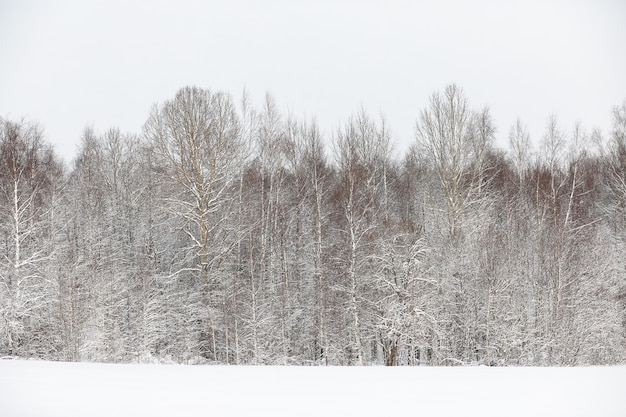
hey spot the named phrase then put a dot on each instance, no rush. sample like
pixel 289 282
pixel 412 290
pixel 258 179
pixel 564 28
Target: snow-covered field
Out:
pixel 35 388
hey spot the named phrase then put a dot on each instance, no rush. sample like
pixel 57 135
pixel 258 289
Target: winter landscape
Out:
pixel 174 243
pixel 226 235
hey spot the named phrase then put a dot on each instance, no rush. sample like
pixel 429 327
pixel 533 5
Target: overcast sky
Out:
pixel 69 64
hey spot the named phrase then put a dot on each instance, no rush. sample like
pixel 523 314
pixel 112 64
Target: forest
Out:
pixel 227 234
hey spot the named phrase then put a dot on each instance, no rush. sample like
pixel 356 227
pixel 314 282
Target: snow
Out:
pixel 37 388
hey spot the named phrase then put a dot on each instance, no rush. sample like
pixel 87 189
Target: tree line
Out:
pixel 233 235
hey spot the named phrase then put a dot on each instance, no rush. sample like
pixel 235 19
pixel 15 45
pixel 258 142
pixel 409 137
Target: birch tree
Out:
pixel 456 139
pixel 519 141
pixel 29 177
pixel 360 152
pixel 196 136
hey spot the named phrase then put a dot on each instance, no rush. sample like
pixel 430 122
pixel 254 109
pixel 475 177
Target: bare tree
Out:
pixel 519 141
pixel 197 136
pixel 457 140
pixel 29 178
pixel 318 172
pixel 360 151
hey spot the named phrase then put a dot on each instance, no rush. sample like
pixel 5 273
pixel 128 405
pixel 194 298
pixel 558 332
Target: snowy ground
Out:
pixel 34 388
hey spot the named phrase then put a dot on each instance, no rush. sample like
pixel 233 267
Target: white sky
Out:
pixel 69 64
